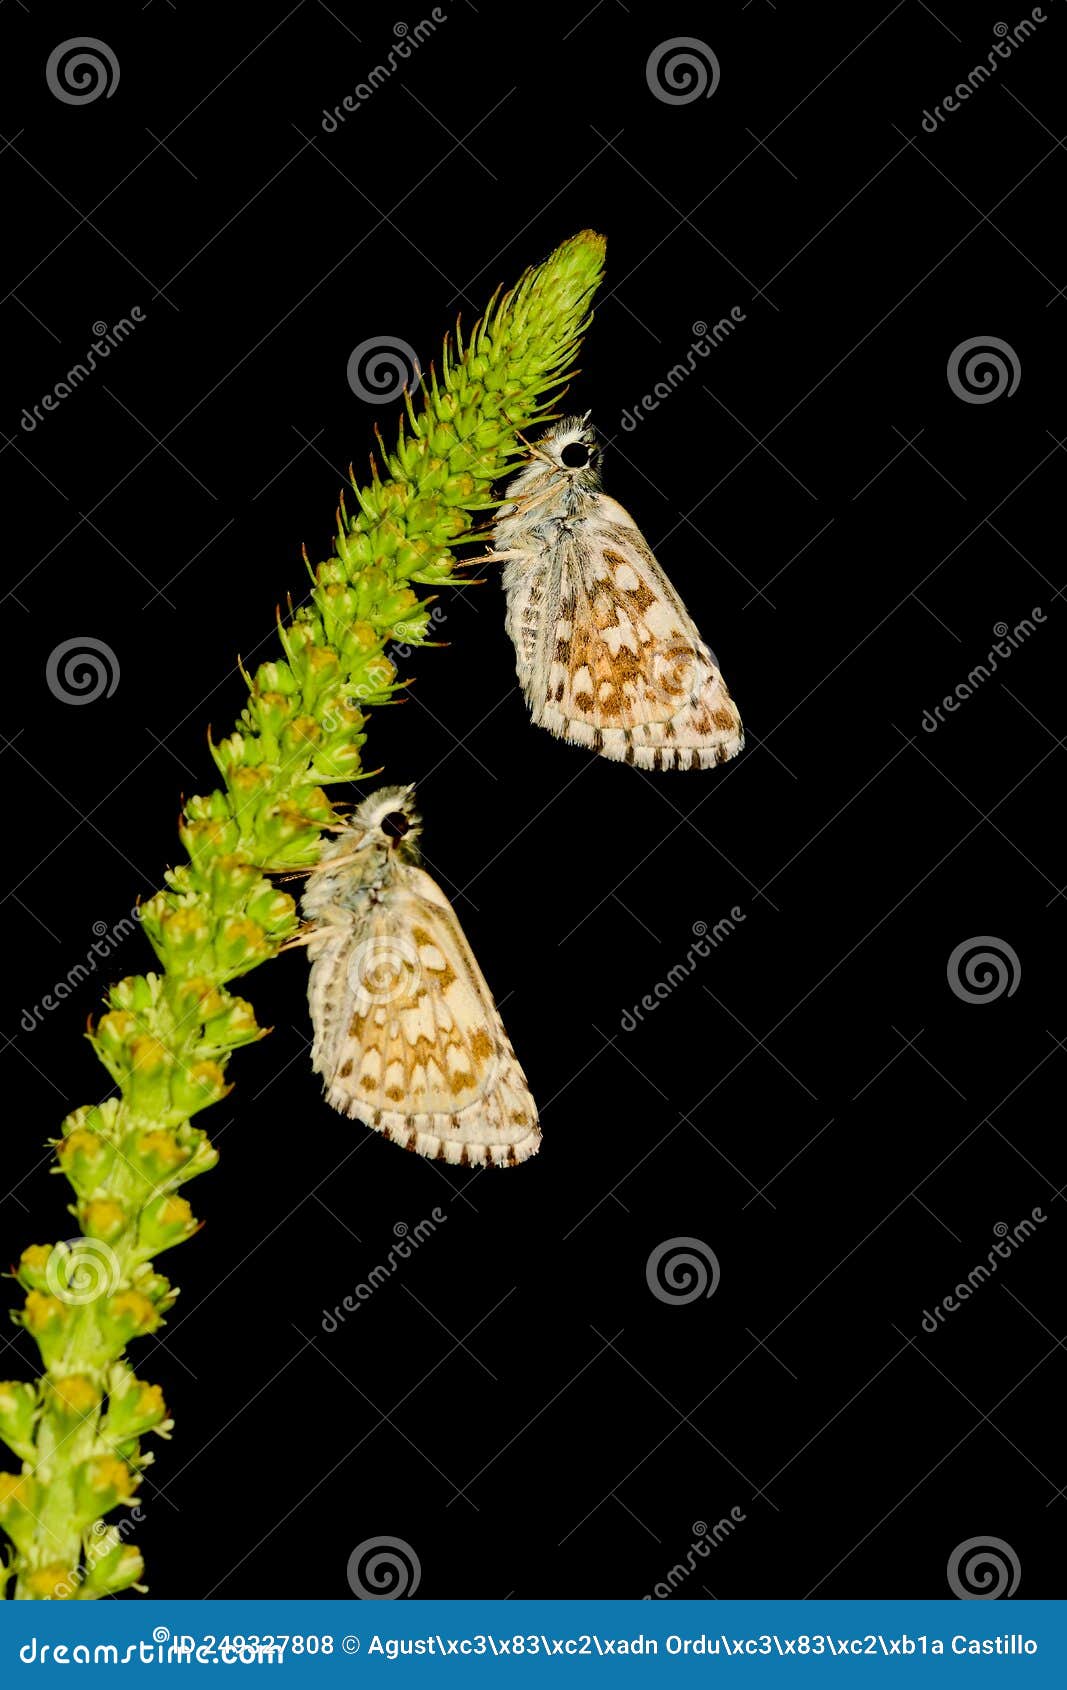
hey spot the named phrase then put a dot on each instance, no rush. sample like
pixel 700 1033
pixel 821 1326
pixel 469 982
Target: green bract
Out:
pixel 166 1037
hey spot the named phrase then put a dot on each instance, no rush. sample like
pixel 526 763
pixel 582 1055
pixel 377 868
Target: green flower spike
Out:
pixel 166 1037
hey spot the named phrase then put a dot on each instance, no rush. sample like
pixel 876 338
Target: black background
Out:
pixel 814 1104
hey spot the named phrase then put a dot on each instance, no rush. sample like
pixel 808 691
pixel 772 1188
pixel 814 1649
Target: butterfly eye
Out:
pixel 574 455
pixel 395 824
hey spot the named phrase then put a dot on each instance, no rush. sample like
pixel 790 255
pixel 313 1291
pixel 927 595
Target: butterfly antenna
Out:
pixel 535 451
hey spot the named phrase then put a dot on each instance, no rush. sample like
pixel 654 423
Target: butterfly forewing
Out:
pixel 606 651
pixel 407 1036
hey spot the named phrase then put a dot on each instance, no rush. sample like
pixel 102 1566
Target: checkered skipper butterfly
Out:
pixel 407 1036
pixel 607 654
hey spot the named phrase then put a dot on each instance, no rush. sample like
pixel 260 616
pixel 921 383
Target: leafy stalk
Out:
pixel 166 1036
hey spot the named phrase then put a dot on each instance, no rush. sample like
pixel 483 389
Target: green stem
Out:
pixel 166 1036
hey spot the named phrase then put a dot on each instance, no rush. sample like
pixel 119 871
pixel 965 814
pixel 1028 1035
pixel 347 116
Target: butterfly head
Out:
pixel 384 828
pixel 389 820
pixel 566 455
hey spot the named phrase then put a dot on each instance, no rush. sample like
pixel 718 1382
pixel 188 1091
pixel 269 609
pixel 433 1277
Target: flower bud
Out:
pixel 18 1507
pixel 120 1568
pixel 197 1086
pixel 33 1265
pixel 134 1408
pixel 129 1314
pixel 104 1218
pixel 164 1222
pixel 100 1484
pixel 73 1398
pixel 18 1416
pixel 55 1582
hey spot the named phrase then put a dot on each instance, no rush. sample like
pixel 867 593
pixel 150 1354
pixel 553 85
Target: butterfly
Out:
pixel 607 654
pixel 406 1034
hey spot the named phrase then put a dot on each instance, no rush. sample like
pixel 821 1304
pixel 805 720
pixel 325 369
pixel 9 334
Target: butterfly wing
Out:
pixel 407 1036
pixel 610 657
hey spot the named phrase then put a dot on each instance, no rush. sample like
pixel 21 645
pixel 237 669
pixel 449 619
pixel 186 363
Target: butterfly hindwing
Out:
pixel 606 651
pixel 407 1036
